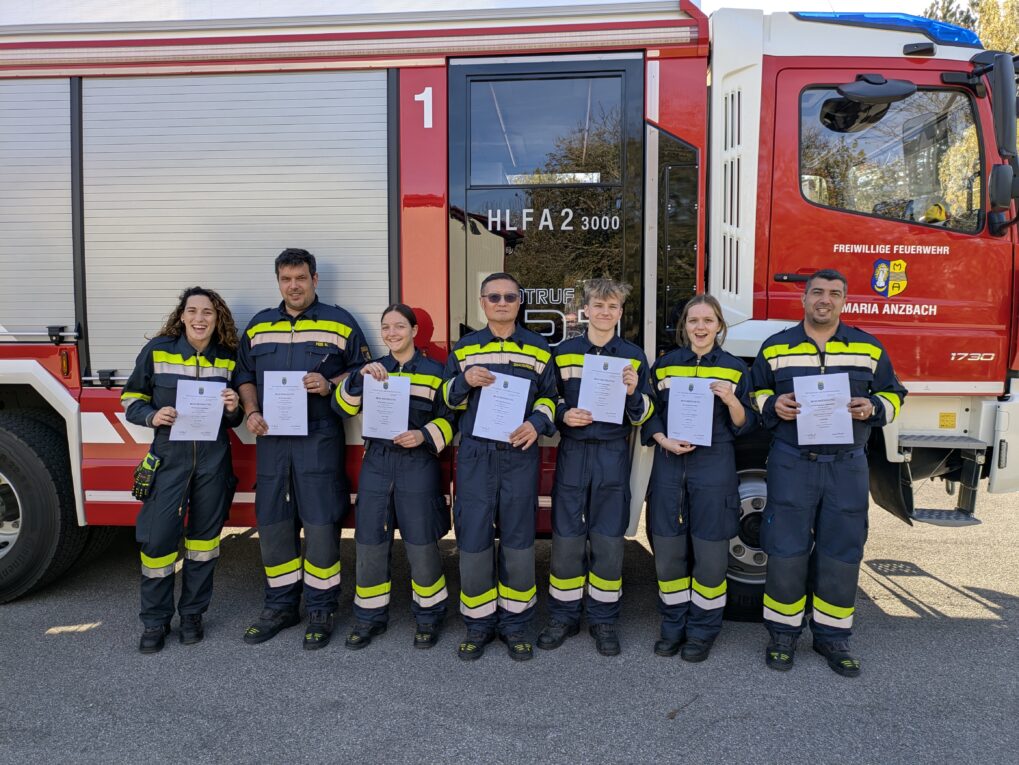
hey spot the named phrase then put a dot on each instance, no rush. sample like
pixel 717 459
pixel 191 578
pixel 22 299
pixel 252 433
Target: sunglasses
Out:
pixel 495 297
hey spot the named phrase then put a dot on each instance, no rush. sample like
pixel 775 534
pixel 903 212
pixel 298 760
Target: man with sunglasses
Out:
pixel 497 481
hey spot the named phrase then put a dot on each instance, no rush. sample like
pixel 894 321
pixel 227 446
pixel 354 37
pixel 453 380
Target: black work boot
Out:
pixel 473 646
pixel 695 650
pixel 555 633
pixel 361 634
pixel 270 623
pixel 191 629
pixel 668 646
pixel 606 641
pixel 320 629
pixel 839 659
pixel 426 635
pixel 153 639
pixel 781 651
pixel 518 647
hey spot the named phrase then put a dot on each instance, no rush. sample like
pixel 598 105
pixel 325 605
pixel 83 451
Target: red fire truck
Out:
pixel 416 151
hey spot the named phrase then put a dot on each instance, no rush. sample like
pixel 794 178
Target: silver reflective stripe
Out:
pixel 674 598
pixel 321 584
pixel 708 604
pixel 604 596
pixel 485 609
pixel 158 573
pixel 284 580
pixel 830 621
pixel 431 600
pixel 201 555
pixel 516 606
pixel 566 595
pixel 774 616
pixel 379 601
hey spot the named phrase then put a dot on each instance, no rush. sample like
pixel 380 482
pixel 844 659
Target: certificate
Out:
pixel 824 416
pixel 602 391
pixel 385 407
pixel 285 403
pixel 691 410
pixel 199 411
pixel 501 407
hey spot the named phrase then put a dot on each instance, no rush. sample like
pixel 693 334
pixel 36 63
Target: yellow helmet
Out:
pixel 936 213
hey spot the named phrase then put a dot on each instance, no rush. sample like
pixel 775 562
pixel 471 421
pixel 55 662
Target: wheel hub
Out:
pixel 747 561
pixel 10 516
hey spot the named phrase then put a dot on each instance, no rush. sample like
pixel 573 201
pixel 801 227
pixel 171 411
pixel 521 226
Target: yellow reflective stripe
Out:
pixel 201 545
pixel 341 399
pixel 766 392
pixel 427 592
pixel 635 363
pixel 865 349
pixel 894 399
pixel 709 592
pixel 303 325
pixel 283 568
pixel 520 595
pixel 609 585
pixel 445 427
pixel 445 395
pixel 473 601
pixel 786 609
pixel 674 585
pixel 839 612
pixel 649 409
pixel 569 360
pixel 548 404
pixel 503 346
pixel 566 584
pixel 131 394
pixel 803 349
pixel 722 373
pixel 430 381
pixel 162 357
pixel 160 562
pixel 374 591
pixel 322 573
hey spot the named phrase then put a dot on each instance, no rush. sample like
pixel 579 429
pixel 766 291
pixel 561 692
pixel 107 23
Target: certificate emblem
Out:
pixel 605 366
pixel 201 390
pixel 385 385
pixel 284 381
pixel 820 384
pixel 505 383
pixel 690 387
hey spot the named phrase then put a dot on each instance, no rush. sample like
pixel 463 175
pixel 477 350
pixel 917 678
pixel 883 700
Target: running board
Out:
pixel 954 518
pixel 927 441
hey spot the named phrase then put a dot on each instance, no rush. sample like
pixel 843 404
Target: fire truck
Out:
pixel 416 151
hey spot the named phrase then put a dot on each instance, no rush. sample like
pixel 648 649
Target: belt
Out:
pixel 376 445
pixel 806 454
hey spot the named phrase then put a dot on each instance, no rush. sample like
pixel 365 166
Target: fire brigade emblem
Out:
pixel 690 387
pixel 201 390
pixel 284 381
pixel 505 383
pixel 889 277
pixel 385 385
pixel 820 384
pixel 605 366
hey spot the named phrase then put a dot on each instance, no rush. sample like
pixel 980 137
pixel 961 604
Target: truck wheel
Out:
pixel 99 540
pixel 747 561
pixel 39 533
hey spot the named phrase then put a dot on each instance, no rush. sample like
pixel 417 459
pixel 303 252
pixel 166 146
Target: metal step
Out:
pixel 922 440
pixel 944 517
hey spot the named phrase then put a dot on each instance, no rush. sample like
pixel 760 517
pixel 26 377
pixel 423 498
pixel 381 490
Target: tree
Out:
pixel 996 21
pixel 951 12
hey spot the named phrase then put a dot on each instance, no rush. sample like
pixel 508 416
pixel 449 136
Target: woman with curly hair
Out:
pixel 186 485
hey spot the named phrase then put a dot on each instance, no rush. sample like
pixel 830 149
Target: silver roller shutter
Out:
pixel 204 179
pixel 36 272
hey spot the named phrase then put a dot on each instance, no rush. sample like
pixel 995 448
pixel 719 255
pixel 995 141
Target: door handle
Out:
pixel 791 277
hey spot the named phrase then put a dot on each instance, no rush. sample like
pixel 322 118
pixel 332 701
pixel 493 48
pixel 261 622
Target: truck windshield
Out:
pixel 916 160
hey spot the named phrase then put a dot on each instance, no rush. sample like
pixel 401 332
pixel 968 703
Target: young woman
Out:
pixel 694 495
pixel 187 485
pixel 400 485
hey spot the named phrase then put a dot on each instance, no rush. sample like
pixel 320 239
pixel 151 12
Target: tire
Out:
pixel 40 536
pixel 98 540
pixel 744 600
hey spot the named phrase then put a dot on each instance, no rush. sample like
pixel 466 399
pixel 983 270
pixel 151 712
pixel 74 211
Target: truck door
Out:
pixel 893 196
pixel 545 176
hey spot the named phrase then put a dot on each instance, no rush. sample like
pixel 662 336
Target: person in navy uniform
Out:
pixel 497 481
pixel 193 485
pixel 591 496
pixel 815 522
pixel 300 479
pixel 693 501
pixel 400 485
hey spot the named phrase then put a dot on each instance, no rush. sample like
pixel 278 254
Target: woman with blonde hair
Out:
pixel 186 485
pixel 693 500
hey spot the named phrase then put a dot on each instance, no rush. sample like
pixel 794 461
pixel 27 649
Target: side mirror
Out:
pixel 875 89
pixel 1004 94
pixel 1001 186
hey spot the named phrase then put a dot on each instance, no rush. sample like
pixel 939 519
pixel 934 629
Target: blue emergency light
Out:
pixel 938 31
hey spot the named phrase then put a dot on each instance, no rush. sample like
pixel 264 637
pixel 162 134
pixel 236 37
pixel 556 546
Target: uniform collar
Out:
pixel 310 312
pixel 710 357
pixel 186 350
pixel 841 333
pixel 611 347
pixel 391 364
pixel 488 337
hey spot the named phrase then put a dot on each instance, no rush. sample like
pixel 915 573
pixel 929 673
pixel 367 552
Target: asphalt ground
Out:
pixel 936 630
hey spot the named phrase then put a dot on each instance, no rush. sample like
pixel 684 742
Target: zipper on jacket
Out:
pixel 194 451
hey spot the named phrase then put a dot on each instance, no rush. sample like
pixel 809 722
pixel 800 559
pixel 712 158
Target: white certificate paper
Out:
pixel 285 403
pixel 385 407
pixel 824 416
pixel 199 411
pixel 691 410
pixel 501 407
pixel 602 391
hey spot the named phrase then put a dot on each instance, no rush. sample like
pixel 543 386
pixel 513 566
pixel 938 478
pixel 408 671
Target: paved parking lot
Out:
pixel 936 629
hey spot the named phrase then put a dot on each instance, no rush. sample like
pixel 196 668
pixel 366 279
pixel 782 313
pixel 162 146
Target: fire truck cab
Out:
pixel 416 152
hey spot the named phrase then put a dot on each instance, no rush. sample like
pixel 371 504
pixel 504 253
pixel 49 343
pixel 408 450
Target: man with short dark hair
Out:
pixel 301 481
pixel 815 522
pixel 591 497
pixel 497 481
